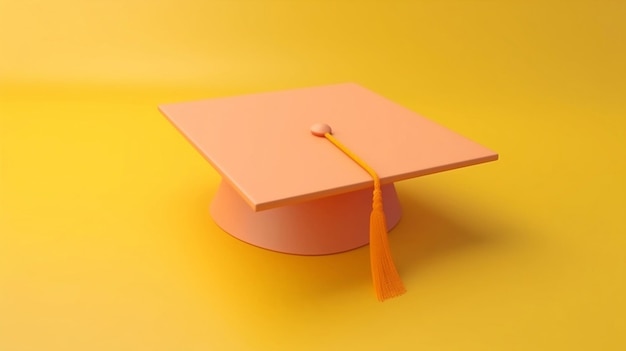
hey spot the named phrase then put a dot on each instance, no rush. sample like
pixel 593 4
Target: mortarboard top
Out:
pixel 287 190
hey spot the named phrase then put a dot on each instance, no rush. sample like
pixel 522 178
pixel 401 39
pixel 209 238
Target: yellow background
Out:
pixel 105 239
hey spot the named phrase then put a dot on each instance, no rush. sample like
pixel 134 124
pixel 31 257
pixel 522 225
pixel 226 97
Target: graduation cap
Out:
pixel 311 171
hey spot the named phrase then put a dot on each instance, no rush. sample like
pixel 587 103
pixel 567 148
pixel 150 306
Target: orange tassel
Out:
pixel 387 281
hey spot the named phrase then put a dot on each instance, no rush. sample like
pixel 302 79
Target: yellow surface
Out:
pixel 105 239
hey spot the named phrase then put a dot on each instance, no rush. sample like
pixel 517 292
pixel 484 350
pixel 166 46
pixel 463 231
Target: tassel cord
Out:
pixel 387 281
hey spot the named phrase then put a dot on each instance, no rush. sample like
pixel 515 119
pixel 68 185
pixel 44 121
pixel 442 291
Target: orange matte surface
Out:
pixel 262 144
pixel 106 242
pixel 319 227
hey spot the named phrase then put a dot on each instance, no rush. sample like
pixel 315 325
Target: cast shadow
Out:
pixel 428 232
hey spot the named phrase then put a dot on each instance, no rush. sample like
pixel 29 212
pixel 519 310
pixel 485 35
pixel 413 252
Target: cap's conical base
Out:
pixel 320 227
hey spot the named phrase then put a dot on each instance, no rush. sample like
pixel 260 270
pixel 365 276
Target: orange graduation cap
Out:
pixel 311 171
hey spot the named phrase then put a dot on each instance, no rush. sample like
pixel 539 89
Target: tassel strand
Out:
pixel 385 277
